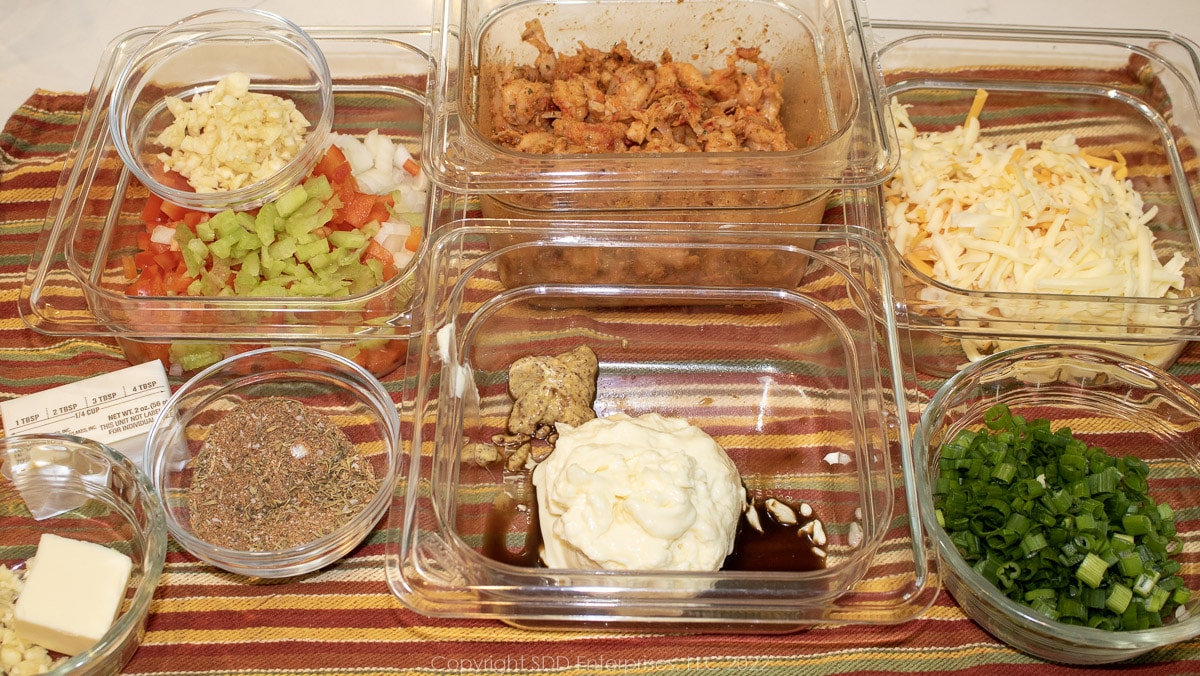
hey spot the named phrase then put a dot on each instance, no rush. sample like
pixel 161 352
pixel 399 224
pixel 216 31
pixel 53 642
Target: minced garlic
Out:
pixel 231 137
pixel 18 657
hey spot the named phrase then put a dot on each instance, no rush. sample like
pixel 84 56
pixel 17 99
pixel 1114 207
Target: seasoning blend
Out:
pixel 273 474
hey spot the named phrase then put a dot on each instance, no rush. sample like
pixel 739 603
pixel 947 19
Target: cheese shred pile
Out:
pixel 984 216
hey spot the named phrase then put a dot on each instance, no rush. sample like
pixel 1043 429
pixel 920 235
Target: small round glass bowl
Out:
pixel 81 489
pixel 327 383
pixel 1123 405
pixel 189 57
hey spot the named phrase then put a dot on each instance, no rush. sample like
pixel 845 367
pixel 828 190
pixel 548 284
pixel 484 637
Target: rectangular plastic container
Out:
pixel 830 107
pixel 790 381
pixel 1132 92
pixel 75 282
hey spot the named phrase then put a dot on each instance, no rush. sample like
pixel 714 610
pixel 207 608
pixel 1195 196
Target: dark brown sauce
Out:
pixel 505 516
pixel 779 548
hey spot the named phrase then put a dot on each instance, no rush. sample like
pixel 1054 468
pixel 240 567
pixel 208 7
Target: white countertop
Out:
pixel 56 44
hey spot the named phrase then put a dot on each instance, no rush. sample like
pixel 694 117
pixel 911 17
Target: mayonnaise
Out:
pixel 645 493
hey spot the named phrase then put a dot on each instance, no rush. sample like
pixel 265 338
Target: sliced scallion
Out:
pixel 1058 525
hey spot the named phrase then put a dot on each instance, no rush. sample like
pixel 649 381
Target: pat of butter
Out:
pixel 115 408
pixel 72 593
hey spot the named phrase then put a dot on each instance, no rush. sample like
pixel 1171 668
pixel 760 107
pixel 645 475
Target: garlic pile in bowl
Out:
pixel 211 57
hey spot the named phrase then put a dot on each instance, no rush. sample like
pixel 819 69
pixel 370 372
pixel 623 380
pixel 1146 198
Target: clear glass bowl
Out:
pixel 791 381
pixel 1133 92
pixel 189 57
pixel 81 489
pixel 330 384
pixel 1125 406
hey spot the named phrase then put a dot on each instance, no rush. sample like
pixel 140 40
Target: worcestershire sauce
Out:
pixel 779 548
pixel 502 518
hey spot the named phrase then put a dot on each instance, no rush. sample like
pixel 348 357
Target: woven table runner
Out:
pixel 344 619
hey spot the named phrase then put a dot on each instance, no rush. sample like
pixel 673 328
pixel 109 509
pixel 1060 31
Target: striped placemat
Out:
pixel 344 620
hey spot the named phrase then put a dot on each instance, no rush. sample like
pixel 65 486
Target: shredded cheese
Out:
pixel 1051 219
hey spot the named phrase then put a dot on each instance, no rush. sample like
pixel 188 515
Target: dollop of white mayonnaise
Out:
pixel 645 493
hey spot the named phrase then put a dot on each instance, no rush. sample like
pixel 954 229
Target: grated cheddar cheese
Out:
pixel 1010 218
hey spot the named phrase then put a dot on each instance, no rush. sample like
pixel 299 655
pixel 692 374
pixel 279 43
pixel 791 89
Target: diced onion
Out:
pixel 356 153
pixel 162 234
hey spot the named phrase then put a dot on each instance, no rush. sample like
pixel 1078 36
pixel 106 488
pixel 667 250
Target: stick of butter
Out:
pixel 72 593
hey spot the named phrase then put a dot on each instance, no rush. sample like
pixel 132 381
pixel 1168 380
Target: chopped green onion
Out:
pixel 1118 599
pixel 1136 524
pixel 1058 525
pixel 1129 563
pixel 1091 570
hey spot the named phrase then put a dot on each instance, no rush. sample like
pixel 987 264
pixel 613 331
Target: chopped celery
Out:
pixel 281 249
pixel 266 223
pixel 307 251
pixel 318 187
pixel 287 247
pixel 225 223
pixel 309 208
pixel 351 239
pixel 223 247
pixel 291 201
pixel 191 356
pixel 322 262
pixel 205 231
pixel 194 255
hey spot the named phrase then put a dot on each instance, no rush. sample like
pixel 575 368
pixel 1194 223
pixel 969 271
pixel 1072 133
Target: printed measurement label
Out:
pixel 104 408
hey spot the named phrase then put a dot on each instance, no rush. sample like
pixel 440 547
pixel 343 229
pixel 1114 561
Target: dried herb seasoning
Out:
pixel 274 473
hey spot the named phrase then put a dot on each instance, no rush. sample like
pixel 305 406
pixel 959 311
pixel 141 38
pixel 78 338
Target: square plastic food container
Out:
pixel 802 387
pixel 1116 91
pixel 830 107
pixel 75 284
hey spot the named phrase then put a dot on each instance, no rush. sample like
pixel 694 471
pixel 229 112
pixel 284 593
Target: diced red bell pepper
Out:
pixel 168 260
pixel 152 213
pixel 129 266
pixel 358 211
pixel 149 283
pixel 333 165
pixel 176 282
pixel 379 212
pixel 174 212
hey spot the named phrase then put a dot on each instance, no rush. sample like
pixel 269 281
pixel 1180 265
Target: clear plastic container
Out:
pixel 830 109
pixel 802 386
pixel 75 283
pixel 1133 92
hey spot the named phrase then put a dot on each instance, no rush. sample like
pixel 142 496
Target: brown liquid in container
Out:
pixel 503 516
pixel 779 548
